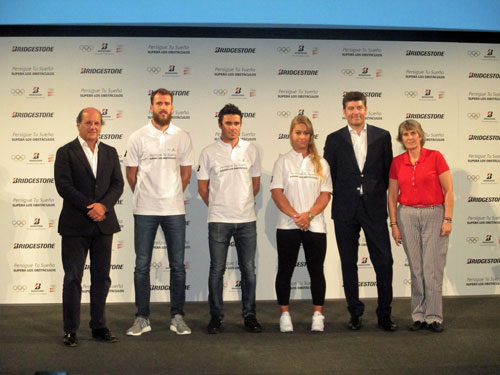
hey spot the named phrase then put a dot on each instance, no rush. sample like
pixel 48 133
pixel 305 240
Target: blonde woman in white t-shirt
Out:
pixel 301 187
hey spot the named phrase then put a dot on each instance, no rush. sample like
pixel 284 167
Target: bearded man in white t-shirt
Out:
pixel 158 162
pixel 228 180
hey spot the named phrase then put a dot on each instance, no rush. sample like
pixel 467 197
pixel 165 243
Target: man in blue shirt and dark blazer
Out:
pixel 360 156
pixel 89 179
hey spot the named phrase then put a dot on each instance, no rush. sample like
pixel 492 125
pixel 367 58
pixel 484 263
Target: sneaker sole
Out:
pixel 174 329
pixel 286 330
pixel 144 330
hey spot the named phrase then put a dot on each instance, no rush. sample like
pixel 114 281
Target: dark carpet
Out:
pixel 31 340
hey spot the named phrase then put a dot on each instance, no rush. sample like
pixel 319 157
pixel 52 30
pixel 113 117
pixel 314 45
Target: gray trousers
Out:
pixel 426 251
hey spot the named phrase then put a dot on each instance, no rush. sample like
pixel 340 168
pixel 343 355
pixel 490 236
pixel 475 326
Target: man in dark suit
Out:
pixel 360 156
pixel 89 179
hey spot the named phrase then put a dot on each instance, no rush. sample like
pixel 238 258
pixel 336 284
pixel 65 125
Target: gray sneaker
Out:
pixel 178 325
pixel 141 325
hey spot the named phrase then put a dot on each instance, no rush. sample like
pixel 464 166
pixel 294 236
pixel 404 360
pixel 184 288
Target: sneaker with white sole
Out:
pixel 179 326
pixel 318 324
pixel 286 322
pixel 141 325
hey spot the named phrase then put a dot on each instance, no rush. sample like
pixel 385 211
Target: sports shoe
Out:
pixel 178 325
pixel 70 339
pixel 318 324
pixel 251 324
pixel 141 325
pixel 286 322
pixel 214 326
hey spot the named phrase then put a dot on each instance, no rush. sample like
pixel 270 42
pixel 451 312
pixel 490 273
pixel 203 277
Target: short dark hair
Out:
pixel 353 96
pixel 162 91
pixel 229 109
pixel 80 115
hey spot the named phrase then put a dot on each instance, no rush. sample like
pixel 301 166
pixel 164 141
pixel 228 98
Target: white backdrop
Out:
pixel 453 89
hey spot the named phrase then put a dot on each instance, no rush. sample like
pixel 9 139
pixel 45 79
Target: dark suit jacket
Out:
pixel 77 185
pixel 347 178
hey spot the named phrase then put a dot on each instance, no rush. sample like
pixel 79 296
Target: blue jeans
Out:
pixel 145 229
pixel 245 238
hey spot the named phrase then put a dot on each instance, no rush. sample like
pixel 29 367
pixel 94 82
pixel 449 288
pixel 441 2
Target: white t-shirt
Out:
pixel 159 155
pixel 295 175
pixel 230 172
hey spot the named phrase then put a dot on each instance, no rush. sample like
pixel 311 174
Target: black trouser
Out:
pixel 379 248
pixel 288 243
pixel 74 254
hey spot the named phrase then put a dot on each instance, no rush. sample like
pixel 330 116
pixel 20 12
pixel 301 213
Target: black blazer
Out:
pixel 347 178
pixel 77 185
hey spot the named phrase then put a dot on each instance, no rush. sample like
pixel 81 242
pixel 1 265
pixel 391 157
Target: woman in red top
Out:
pixel 420 181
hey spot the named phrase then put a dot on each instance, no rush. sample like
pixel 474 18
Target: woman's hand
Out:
pixel 445 228
pixel 302 220
pixel 396 234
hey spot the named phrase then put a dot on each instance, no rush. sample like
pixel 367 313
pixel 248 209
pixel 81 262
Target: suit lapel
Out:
pixel 351 155
pixel 77 148
pixel 101 159
pixel 370 138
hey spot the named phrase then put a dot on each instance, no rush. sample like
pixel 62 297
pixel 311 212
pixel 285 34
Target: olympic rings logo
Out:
pixel 473 53
pixel 283 114
pixel 17 92
pixel 19 288
pixel 17 157
pixel 220 92
pixel 155 265
pixel 153 69
pixel 284 50
pixel 473 177
pixel 472 239
pixel 348 72
pixel 473 115
pixel 411 94
pixel 19 223
pixel 86 48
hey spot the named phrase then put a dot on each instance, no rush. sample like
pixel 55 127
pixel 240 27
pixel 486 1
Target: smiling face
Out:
pixel 355 113
pixel 411 139
pixel 90 126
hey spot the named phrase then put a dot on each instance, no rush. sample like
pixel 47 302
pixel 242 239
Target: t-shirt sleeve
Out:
pixel 132 153
pixel 277 176
pixel 326 184
pixel 203 171
pixel 441 165
pixel 186 156
pixel 255 170
pixel 393 172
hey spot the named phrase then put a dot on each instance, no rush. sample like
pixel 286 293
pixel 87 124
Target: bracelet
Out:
pixel 393 223
pixel 447 219
pixel 311 216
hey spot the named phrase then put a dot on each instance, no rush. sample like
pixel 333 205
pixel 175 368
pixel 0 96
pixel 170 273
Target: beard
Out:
pixel 162 121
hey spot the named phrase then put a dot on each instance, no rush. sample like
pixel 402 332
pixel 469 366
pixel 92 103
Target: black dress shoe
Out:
pixel 104 335
pixel 418 325
pixel 436 327
pixel 387 324
pixel 355 323
pixel 70 339
pixel 252 325
pixel 214 326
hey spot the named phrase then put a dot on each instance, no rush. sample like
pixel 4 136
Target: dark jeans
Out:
pixel 288 242
pixel 245 238
pixel 174 229
pixel 74 254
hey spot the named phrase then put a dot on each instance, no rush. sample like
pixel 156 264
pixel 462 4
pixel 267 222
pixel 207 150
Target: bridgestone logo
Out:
pixel 373 94
pixel 483 261
pixel 234 50
pixel 111 136
pixel 249 114
pixel 289 72
pixel 32 114
pixel 432 116
pixel 18 180
pixel 483 199
pixel 424 53
pixel 484 137
pixel 34 245
pixel 160 287
pixel 180 92
pixel 484 75
pixel 32 49
pixel 101 71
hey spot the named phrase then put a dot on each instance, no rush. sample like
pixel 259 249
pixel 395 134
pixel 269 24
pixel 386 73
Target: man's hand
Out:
pixel 97 211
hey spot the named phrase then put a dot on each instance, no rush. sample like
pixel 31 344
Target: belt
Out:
pixel 425 205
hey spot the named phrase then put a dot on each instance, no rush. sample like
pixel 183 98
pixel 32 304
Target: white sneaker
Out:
pixel 179 326
pixel 286 322
pixel 141 325
pixel 318 324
